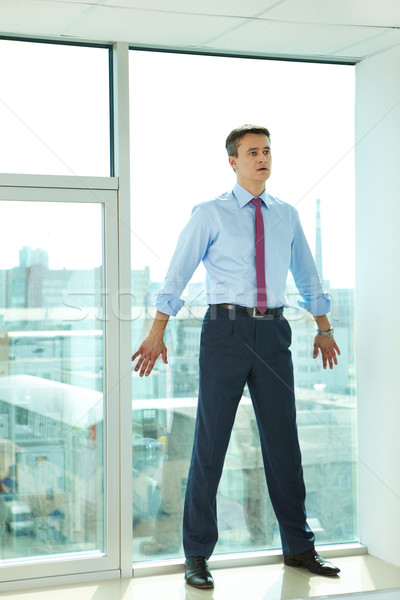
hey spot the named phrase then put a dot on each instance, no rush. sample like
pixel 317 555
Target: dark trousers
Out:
pixel 235 349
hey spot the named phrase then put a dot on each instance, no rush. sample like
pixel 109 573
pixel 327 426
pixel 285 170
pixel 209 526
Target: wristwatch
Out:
pixel 328 333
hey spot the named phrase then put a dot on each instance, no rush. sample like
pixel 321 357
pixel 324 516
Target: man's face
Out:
pixel 253 162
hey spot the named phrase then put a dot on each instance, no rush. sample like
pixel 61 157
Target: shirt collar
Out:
pixel 243 197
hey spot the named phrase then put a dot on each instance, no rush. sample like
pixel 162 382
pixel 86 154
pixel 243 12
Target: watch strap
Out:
pixel 328 333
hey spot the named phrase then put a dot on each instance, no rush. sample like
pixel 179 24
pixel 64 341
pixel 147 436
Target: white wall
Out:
pixel 377 295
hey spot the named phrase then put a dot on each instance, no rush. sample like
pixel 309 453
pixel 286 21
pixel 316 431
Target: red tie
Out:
pixel 260 258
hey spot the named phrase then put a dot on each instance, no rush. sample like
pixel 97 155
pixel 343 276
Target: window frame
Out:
pixel 38 188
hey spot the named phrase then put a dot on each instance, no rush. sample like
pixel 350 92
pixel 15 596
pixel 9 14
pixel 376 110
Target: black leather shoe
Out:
pixel 197 572
pixel 313 562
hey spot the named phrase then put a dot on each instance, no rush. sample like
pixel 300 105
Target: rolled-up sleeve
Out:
pixel 191 247
pixel 314 298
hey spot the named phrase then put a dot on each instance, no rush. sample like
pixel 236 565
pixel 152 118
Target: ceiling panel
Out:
pixel 147 27
pixel 289 38
pixel 82 2
pixel 212 7
pixel 373 45
pixel 37 17
pixel 320 28
pixel 349 12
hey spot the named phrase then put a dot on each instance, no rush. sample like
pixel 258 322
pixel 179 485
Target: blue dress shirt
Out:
pixel 221 234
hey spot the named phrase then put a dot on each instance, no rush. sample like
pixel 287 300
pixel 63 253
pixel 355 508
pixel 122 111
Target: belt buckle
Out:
pixel 255 315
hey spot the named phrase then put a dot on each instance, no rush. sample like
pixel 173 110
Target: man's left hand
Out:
pixel 329 350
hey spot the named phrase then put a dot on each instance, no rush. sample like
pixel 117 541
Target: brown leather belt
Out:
pixel 252 312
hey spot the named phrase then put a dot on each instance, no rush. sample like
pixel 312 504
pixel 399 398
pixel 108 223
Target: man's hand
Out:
pixel 328 348
pixel 151 348
pixel 149 351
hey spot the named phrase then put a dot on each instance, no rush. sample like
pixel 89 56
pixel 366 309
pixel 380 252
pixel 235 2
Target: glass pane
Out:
pixel 54 109
pixel 180 144
pixel 51 379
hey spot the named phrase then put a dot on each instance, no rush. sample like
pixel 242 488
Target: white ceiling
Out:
pixel 347 30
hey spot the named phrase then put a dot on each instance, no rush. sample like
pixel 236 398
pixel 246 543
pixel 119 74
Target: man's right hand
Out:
pixel 151 348
pixel 149 351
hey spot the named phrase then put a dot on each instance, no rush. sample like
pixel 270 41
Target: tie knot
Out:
pixel 256 201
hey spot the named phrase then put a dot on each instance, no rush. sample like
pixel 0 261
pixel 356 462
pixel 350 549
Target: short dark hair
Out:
pixel 233 139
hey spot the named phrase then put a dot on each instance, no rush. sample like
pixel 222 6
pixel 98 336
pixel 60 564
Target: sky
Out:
pixel 54 120
pixel 178 152
pixel 60 228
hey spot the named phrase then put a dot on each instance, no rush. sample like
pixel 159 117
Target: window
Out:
pixel 54 116
pixel 52 379
pixel 57 458
pixel 61 507
pixel 58 287
pixel 182 108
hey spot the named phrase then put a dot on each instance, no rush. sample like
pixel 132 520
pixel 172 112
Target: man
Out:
pixel 247 240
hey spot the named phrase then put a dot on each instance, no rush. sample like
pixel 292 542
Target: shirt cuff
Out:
pixel 169 305
pixel 318 306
